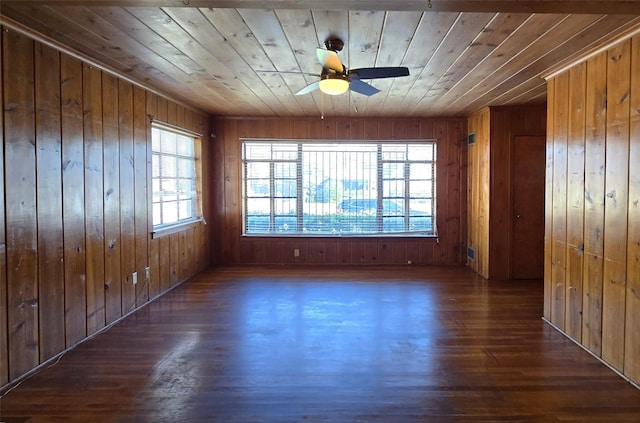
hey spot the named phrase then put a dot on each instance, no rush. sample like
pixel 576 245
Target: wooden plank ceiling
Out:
pixel 248 58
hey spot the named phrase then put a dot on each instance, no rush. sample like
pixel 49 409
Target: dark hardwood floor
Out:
pixel 330 345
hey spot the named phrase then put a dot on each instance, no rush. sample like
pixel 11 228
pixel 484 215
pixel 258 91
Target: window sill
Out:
pixel 389 235
pixel 178 227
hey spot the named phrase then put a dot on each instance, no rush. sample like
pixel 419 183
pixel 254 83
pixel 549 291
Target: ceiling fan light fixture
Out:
pixel 334 84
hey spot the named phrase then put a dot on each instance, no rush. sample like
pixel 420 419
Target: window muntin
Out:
pixel 173 179
pixel 348 188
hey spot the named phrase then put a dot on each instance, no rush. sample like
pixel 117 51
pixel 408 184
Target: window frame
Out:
pixel 299 233
pixel 160 230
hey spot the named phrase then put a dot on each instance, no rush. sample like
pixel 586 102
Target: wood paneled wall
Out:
pixel 490 183
pixel 478 192
pixel 592 258
pixel 75 204
pixel 451 194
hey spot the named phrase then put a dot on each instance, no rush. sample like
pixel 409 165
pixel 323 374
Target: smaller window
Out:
pixel 174 183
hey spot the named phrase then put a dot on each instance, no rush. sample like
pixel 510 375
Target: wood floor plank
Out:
pixel 253 344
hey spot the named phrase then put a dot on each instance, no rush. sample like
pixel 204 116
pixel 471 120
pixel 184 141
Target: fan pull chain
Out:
pixel 321 105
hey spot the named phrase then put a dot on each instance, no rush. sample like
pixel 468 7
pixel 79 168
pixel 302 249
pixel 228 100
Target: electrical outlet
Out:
pixel 296 252
pixel 134 277
pixel 147 273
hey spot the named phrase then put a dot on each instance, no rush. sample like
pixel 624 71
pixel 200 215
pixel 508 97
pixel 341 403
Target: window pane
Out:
pixel 285 151
pixel 258 169
pixel 184 209
pixel 394 152
pixel 186 189
pixel 157 215
pixel 185 168
pixel 393 188
pixel 420 171
pixel 321 208
pixel 173 177
pixel 339 186
pixel 393 207
pixel 420 207
pixel 258 187
pixel 421 223
pixel 393 170
pixel 185 145
pixel 156 190
pixel 168 167
pixel 421 189
pixel 155 165
pixel 393 224
pixel 155 139
pixel 168 190
pixel 257 224
pixel 286 224
pixel 284 170
pixel 169 212
pixel 421 152
pixel 258 206
pixel 285 206
pixel 285 188
pixel 257 151
pixel 168 142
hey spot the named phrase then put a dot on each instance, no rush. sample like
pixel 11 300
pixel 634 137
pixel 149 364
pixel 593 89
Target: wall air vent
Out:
pixel 471 253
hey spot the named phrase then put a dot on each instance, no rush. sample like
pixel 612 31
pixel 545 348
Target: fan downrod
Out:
pixel 334 44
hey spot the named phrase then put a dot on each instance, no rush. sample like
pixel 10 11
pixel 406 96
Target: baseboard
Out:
pixel 616 371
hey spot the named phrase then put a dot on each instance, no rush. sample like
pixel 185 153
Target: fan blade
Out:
pixel 374 73
pixel 362 87
pixel 276 72
pixel 329 59
pixel 311 87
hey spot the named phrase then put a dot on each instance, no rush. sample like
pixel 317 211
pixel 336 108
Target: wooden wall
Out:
pixel 451 195
pixel 478 190
pixel 75 212
pixel 592 258
pixel 490 183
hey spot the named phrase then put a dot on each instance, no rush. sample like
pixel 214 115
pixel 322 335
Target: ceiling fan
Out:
pixel 336 79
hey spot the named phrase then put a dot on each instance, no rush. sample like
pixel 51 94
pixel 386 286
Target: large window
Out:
pixel 175 199
pixel 338 188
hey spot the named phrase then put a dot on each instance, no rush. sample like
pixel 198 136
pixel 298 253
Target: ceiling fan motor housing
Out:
pixel 334 44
